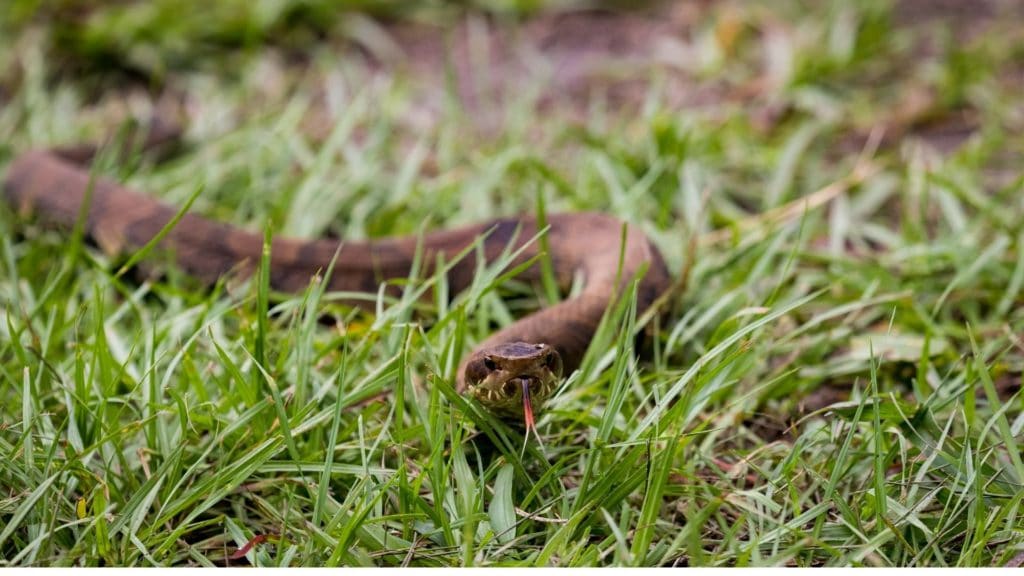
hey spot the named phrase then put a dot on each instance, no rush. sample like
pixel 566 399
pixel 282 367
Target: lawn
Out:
pixel 834 379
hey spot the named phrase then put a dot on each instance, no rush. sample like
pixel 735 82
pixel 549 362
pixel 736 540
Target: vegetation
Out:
pixel 835 380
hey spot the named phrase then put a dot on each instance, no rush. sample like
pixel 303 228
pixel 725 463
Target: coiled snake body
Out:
pixel 510 373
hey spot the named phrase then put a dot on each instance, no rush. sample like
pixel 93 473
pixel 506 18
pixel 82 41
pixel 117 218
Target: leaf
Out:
pixel 80 508
pixel 895 347
pixel 502 511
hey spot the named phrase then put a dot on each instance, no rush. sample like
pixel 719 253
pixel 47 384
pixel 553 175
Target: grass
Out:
pixel 833 383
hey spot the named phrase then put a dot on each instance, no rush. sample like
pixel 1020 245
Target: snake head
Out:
pixel 513 379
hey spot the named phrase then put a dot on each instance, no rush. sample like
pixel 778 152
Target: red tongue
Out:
pixel 527 406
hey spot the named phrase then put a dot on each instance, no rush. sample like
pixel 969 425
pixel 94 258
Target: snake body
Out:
pixel 509 372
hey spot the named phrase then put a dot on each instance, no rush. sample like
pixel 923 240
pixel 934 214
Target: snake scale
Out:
pixel 511 373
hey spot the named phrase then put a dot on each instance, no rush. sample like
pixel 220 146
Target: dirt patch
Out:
pixel 563 60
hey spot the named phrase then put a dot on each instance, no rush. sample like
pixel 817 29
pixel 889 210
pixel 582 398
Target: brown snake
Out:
pixel 511 373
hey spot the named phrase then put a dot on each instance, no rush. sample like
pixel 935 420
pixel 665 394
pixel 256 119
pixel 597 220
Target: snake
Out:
pixel 512 373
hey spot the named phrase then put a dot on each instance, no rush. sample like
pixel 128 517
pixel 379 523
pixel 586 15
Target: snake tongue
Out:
pixel 527 406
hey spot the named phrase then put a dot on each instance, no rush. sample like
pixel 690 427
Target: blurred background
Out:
pixel 552 75
pixel 743 84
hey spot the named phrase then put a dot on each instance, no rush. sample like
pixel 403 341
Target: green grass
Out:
pixel 156 422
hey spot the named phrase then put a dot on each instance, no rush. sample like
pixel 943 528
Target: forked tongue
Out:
pixel 531 424
pixel 528 408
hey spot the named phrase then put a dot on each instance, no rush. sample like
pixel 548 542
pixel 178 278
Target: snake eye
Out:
pixel 553 362
pixel 489 364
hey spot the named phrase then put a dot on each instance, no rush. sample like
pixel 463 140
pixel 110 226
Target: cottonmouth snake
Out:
pixel 510 373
